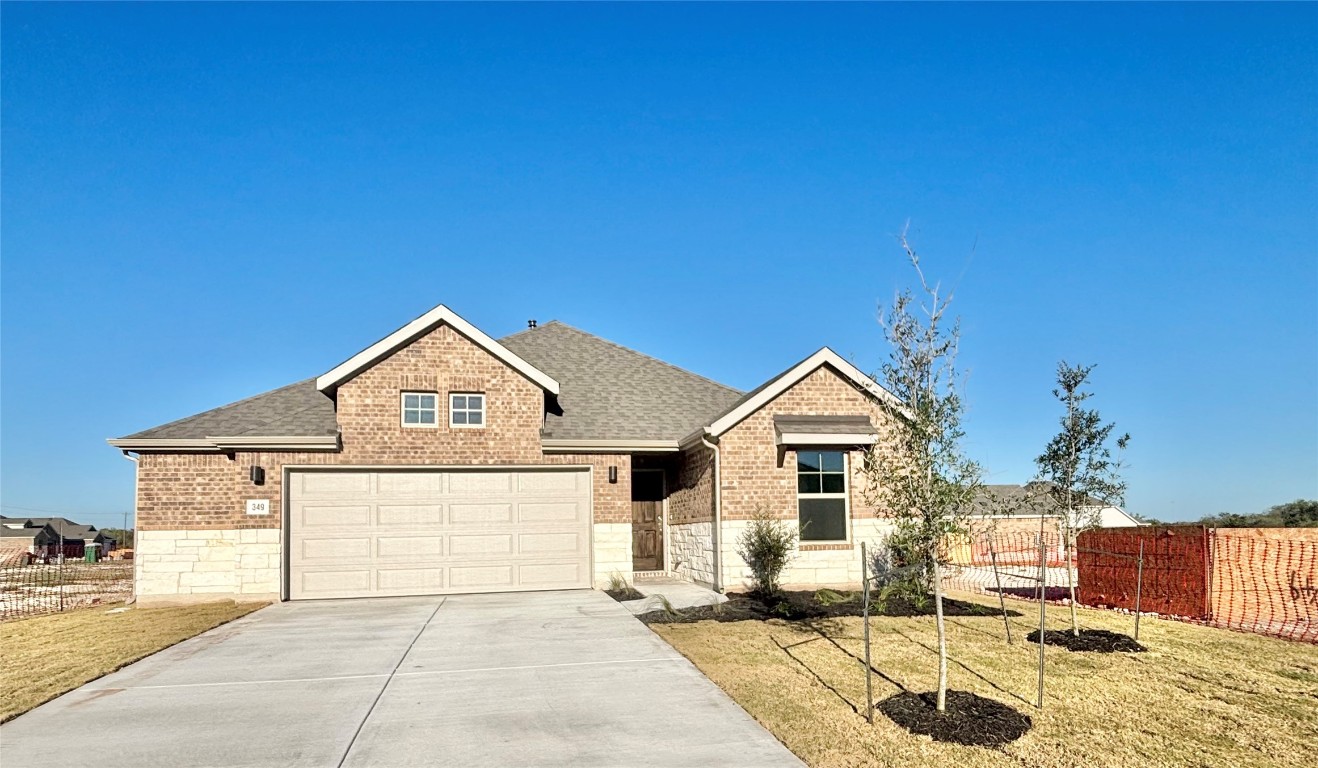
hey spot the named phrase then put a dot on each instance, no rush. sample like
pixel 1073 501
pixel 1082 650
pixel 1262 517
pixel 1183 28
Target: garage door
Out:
pixel 377 534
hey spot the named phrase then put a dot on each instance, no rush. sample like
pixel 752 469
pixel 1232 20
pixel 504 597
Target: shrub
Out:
pixel 766 546
pixel 900 569
pixel 619 587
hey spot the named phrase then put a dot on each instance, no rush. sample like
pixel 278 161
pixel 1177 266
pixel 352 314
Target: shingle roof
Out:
pixel 610 392
pixel 295 410
pixel 66 528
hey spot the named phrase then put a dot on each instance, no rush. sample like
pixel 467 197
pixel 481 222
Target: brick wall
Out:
pixel 691 487
pixel 442 361
pixel 756 473
pixel 189 491
pixel 207 491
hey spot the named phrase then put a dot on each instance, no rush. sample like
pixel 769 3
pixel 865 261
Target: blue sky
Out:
pixel 200 203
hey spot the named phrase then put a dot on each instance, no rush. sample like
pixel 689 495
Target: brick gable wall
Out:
pixel 442 361
pixel 757 474
pixel 207 491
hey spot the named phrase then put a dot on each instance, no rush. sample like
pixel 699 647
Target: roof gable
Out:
pixel 440 315
pixel 760 396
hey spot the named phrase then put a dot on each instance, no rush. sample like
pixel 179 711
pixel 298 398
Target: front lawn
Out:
pixel 1199 696
pixel 49 655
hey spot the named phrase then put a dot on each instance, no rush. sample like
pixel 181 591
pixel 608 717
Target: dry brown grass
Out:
pixel 1199 697
pixel 50 655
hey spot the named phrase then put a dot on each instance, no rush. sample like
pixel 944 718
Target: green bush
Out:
pixel 900 569
pixel 766 546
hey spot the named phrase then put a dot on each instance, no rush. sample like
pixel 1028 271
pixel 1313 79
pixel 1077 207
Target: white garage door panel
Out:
pixel 415 514
pixel 390 533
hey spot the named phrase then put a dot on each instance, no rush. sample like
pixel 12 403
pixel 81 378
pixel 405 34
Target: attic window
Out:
pixel 419 409
pixel 466 409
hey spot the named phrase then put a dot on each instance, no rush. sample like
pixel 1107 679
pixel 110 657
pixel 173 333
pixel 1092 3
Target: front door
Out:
pixel 647 520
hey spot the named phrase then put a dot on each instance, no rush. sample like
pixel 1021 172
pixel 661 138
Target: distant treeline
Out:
pixel 1301 513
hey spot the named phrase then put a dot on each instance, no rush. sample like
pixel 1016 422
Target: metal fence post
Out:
pixel 1043 608
pixel 997 579
pixel 1139 587
pixel 865 613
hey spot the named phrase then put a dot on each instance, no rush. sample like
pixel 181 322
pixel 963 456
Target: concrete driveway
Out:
pixel 550 678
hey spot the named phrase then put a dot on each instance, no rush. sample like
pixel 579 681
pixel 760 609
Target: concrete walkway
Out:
pixel 551 678
pixel 680 594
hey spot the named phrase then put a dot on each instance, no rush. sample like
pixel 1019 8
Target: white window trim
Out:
pixel 845 496
pixel 484 411
pixel 403 409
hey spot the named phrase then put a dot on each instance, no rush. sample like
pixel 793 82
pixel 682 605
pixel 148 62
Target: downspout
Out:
pixel 718 513
pixel 136 470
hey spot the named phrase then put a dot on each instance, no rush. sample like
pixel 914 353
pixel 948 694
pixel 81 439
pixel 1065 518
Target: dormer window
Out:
pixel 420 409
pixel 466 409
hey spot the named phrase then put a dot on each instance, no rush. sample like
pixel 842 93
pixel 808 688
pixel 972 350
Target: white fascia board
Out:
pixel 789 379
pixel 812 438
pixel 550 445
pixel 409 332
pixel 163 444
pixel 239 442
pixel 273 443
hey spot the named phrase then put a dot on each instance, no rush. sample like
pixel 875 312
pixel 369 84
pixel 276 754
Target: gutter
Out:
pixel 136 468
pixel 553 445
pixel 718 512
pixel 295 443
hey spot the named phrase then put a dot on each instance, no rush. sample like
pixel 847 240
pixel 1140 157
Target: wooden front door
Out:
pixel 647 520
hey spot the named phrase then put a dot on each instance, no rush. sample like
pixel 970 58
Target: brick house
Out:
pixel 440 460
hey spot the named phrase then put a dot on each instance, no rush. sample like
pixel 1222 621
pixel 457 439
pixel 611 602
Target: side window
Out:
pixel 821 493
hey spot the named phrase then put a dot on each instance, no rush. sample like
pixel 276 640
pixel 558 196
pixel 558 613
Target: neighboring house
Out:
pixel 439 460
pixel 1026 503
pixel 1005 521
pixel 15 535
pixel 73 536
pixel 76 536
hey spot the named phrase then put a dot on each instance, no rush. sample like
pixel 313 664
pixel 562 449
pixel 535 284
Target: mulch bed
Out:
pixel 968 719
pixel 623 595
pixel 1090 640
pixel 798 605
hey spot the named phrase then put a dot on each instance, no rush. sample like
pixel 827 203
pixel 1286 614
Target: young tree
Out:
pixel 1078 465
pixel 921 477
